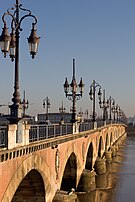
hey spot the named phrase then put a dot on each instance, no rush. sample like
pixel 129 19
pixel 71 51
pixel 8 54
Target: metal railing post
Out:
pixel 46 131
pixel 37 132
pixel 54 134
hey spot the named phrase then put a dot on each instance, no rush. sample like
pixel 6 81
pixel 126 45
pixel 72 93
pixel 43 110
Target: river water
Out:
pixel 118 184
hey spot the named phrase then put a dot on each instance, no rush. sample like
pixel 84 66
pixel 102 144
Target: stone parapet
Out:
pixel 12 136
pixel 18 135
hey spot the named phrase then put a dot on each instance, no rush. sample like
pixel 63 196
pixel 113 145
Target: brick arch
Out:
pixel 111 138
pixel 100 146
pixel 70 174
pixel 32 162
pixel 89 156
pixel 79 161
pixel 107 141
pixel 32 183
pixel 115 133
pixel 121 130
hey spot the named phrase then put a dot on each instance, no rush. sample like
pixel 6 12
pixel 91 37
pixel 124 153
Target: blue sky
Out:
pixel 99 34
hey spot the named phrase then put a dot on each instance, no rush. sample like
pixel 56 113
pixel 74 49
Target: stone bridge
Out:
pixel 46 170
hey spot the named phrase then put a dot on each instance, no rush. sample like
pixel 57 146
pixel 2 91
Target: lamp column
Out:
pixel 9 43
pixel 92 93
pixel 104 105
pixel 73 95
pixel 46 103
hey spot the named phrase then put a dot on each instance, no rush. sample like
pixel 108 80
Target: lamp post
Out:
pixel 73 95
pixel 25 104
pixel 114 110
pixel 93 87
pixel 104 105
pixel 46 103
pixel 121 115
pixel 9 43
pixel 118 112
pixel 62 110
pixel 111 103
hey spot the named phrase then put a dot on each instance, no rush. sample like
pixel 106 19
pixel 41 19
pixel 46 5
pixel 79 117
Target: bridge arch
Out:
pixel 107 143
pixel 73 153
pixel 32 164
pixel 116 132
pixel 89 158
pixel 119 131
pixel 114 135
pixel 111 138
pixel 70 174
pixel 32 184
pixel 100 147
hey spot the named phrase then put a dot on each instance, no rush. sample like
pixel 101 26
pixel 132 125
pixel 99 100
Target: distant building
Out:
pixel 131 120
pixel 54 118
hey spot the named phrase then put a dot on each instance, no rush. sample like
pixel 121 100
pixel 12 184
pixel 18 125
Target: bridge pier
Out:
pixel 108 156
pixel 101 181
pixel 63 196
pixel 113 149
pixel 100 166
pixel 116 146
pixel 87 181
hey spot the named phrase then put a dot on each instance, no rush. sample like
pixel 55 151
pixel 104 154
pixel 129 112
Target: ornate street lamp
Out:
pixel 25 104
pixel 46 103
pixel 111 103
pixel 118 112
pixel 62 110
pixel 9 43
pixel 93 87
pixel 120 116
pixel 73 95
pixel 115 109
pixel 104 105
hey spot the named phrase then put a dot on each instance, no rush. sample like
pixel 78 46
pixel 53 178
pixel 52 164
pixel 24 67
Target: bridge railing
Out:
pixel 3 136
pixel 43 131
pixel 39 132
pixel 84 126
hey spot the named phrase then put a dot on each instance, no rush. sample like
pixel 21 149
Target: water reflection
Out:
pixel 106 184
pixel 126 185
